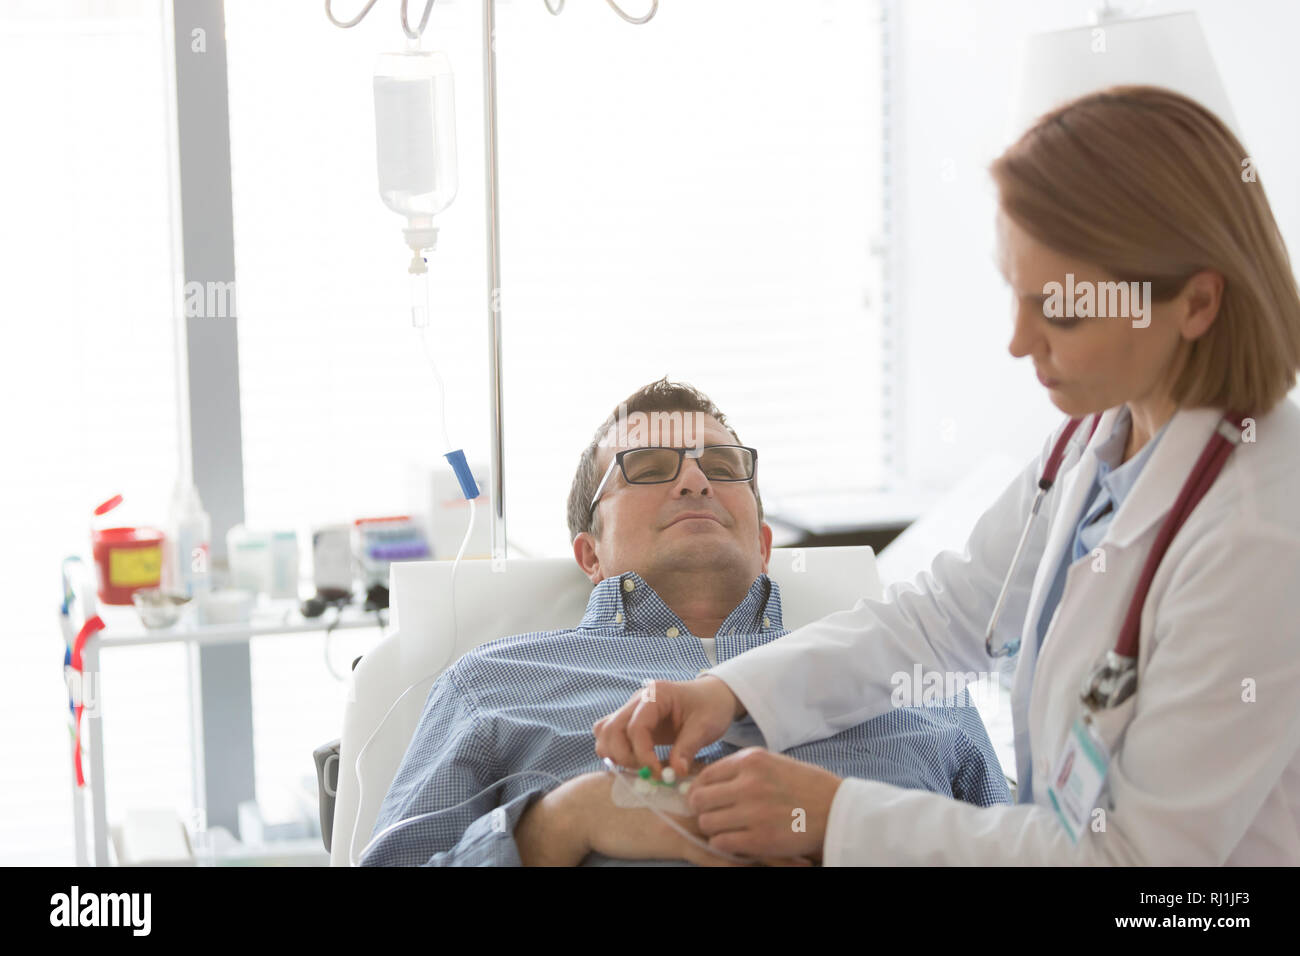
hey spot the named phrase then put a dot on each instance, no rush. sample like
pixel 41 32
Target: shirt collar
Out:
pixel 628 601
pixel 1118 478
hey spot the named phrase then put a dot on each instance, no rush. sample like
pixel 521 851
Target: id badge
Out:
pixel 1078 778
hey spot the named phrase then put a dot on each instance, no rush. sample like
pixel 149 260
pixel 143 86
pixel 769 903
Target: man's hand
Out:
pixel 687 714
pixel 636 833
pixel 580 817
pixel 759 804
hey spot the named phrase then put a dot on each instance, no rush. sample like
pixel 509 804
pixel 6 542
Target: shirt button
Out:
pixel 672 632
pixel 628 584
pixel 618 618
pixel 767 621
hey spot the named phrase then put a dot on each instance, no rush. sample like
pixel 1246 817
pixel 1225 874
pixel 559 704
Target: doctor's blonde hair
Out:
pixel 1152 186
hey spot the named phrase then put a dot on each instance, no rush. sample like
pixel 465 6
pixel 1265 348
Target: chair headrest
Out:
pixel 497 599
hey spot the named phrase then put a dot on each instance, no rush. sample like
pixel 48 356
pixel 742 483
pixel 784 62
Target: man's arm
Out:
pixel 978 776
pixel 948 740
pixel 452 758
pixel 454 755
pixel 580 817
pixel 550 832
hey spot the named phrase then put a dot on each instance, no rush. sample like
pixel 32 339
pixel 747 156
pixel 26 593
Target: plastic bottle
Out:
pixel 284 564
pixel 415 137
pixel 249 553
pixel 187 566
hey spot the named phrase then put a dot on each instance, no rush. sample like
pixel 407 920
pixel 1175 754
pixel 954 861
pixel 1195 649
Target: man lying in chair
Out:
pixel 668 525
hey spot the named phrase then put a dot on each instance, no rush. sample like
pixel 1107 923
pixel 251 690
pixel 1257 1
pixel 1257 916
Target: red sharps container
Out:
pixel 126 559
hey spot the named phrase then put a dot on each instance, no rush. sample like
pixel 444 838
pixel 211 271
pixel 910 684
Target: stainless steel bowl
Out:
pixel 158 608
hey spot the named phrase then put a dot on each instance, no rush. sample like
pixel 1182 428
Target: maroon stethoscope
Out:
pixel 1114 678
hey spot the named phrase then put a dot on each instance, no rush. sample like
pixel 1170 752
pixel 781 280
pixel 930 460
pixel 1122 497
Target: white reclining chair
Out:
pixel 521 596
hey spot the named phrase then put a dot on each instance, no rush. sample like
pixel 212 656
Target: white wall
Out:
pixel 964 396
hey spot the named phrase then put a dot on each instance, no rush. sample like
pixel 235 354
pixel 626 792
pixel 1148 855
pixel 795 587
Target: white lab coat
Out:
pixel 1198 774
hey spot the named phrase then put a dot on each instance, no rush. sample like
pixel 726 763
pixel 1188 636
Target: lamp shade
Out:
pixel 1168 51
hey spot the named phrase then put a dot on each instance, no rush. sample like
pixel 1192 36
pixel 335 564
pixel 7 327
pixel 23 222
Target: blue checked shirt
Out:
pixel 528 702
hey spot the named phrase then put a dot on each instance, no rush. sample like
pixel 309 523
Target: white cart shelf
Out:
pixel 122 628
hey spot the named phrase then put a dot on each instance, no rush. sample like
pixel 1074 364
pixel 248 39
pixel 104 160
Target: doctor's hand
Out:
pixel 756 803
pixel 687 714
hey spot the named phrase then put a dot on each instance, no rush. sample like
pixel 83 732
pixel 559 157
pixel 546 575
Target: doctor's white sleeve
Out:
pixel 845 668
pixel 1197 775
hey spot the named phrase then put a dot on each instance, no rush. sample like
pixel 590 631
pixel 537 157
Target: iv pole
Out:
pixel 498 517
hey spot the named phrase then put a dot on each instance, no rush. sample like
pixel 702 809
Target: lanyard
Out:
pixel 1114 678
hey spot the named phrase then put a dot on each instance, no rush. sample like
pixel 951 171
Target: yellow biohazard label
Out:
pixel 128 568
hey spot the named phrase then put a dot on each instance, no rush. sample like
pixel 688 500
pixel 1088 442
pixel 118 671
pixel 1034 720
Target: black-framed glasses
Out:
pixel 660 465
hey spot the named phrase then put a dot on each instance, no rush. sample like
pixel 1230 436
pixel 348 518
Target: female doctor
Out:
pixel 1151 598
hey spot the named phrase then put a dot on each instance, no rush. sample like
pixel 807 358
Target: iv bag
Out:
pixel 415 133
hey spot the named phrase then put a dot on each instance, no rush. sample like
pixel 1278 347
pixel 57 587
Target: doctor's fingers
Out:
pixel 732 818
pixel 722 770
pixel 756 832
pixel 641 735
pixel 694 735
pixel 702 711
pixel 708 856
pixel 648 718
pixel 612 736
pixel 704 798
